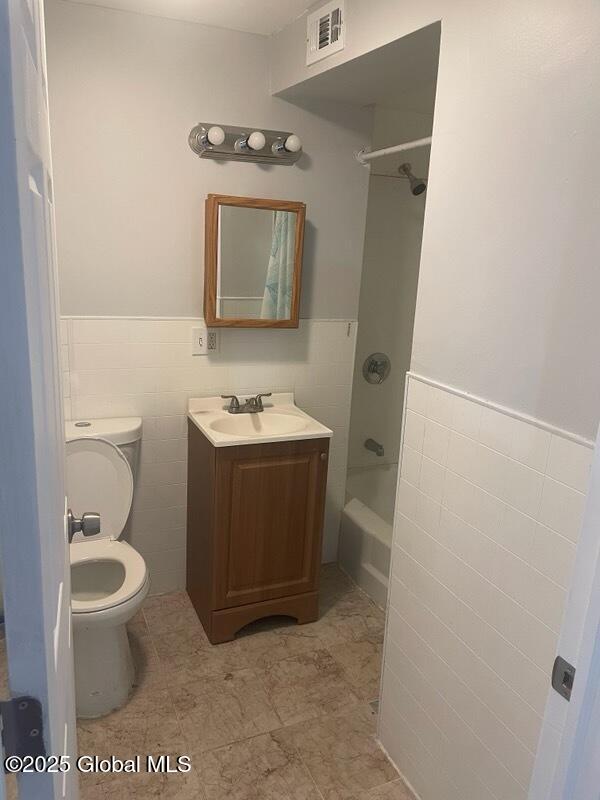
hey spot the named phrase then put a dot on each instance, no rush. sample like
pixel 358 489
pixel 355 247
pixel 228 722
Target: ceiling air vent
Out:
pixel 325 31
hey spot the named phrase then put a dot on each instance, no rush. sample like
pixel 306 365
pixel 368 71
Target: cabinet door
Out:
pixel 270 501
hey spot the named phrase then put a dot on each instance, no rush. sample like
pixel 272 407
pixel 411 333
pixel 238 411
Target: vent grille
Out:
pixel 336 24
pixel 325 31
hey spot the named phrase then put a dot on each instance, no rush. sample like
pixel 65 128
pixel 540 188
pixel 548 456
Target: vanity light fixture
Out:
pixel 232 143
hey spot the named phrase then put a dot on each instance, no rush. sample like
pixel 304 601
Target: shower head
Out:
pixel 417 185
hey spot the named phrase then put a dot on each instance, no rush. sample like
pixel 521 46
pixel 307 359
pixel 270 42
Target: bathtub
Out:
pixel 366 528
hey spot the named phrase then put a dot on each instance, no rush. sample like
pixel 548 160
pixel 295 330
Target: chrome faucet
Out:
pixel 253 405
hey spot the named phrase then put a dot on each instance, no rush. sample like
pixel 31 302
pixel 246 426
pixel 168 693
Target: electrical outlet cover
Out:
pixel 212 342
pixel 199 340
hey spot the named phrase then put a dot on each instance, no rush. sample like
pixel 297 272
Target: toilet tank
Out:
pixel 124 432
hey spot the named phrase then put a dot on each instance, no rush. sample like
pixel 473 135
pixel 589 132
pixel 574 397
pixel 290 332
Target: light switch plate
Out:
pixel 199 340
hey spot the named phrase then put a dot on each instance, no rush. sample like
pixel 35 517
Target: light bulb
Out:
pixel 215 135
pixel 256 140
pixel 293 144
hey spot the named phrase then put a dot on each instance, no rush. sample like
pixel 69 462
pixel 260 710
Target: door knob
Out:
pixel 88 524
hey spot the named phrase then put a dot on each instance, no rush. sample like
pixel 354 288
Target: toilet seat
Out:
pixel 135 573
pixel 99 479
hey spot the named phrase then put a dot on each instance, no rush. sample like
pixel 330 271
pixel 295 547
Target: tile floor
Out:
pixel 282 713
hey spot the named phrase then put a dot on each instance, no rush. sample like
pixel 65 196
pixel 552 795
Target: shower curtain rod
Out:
pixel 364 156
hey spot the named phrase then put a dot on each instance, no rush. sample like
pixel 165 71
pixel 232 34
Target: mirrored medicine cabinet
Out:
pixel 253 262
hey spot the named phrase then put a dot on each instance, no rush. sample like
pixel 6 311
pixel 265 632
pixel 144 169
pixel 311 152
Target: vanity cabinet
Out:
pixel 255 520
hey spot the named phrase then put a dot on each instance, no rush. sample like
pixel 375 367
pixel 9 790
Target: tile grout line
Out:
pixel 480 574
pixel 461 640
pixel 475 695
pixel 464 602
pixel 487 536
pixel 500 763
pixel 491 494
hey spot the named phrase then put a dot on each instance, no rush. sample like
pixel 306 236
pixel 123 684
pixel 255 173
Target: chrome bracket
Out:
pixel 22 731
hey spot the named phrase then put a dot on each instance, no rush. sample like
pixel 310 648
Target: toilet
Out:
pixel 109 578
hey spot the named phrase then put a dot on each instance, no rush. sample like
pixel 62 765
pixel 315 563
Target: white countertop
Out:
pixel 281 421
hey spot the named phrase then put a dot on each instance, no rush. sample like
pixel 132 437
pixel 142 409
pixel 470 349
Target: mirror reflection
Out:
pixel 255 263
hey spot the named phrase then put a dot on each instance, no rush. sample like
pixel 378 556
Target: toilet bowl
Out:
pixel 109 578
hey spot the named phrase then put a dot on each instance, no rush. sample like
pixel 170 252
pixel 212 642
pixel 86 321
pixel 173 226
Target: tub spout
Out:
pixel 375 447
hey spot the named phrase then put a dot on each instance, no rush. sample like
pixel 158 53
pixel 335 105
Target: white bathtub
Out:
pixel 366 528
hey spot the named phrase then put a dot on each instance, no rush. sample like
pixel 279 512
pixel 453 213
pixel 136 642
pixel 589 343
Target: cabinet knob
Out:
pixel 323 456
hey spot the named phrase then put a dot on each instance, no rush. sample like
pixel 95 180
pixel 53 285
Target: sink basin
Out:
pixel 281 421
pixel 261 424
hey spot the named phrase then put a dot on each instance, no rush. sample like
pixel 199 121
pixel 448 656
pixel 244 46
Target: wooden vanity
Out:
pixel 254 530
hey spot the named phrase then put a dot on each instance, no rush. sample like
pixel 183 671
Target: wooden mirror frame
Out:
pixel 211 244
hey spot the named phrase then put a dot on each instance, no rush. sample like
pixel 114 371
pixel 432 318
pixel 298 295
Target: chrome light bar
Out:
pixel 231 143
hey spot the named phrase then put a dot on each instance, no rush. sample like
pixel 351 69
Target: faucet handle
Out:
pixel 259 397
pixel 234 405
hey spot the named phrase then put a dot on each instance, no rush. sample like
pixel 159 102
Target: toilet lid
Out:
pixel 99 479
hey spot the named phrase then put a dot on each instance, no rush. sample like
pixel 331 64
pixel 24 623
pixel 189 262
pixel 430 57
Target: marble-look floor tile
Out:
pixel 361 662
pixel 170 612
pixel 137 624
pixel 222 709
pixel 147 724
pixel 186 655
pixel 349 617
pixel 342 754
pixel 148 672
pixel 305 686
pixel 397 790
pixel 143 652
pixel 154 786
pixel 95 792
pixel 269 641
pixel 264 768
pixel 90 787
pixel 222 705
pixel 333 583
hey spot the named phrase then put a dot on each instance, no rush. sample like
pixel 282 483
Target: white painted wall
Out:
pixel 509 262
pixel 389 286
pixel 125 90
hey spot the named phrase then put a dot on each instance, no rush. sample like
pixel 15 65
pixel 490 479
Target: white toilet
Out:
pixel 109 579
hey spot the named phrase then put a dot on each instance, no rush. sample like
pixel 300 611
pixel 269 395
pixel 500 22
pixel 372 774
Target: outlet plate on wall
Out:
pixel 204 341
pixel 199 340
pixel 212 342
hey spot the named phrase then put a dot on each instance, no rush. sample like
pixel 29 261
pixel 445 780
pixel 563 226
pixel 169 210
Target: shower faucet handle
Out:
pixel 376 368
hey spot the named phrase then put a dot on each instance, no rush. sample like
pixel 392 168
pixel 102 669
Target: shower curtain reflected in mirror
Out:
pixel 277 298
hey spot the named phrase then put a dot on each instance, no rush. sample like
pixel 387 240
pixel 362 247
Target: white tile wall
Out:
pixel 138 366
pixel 488 513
